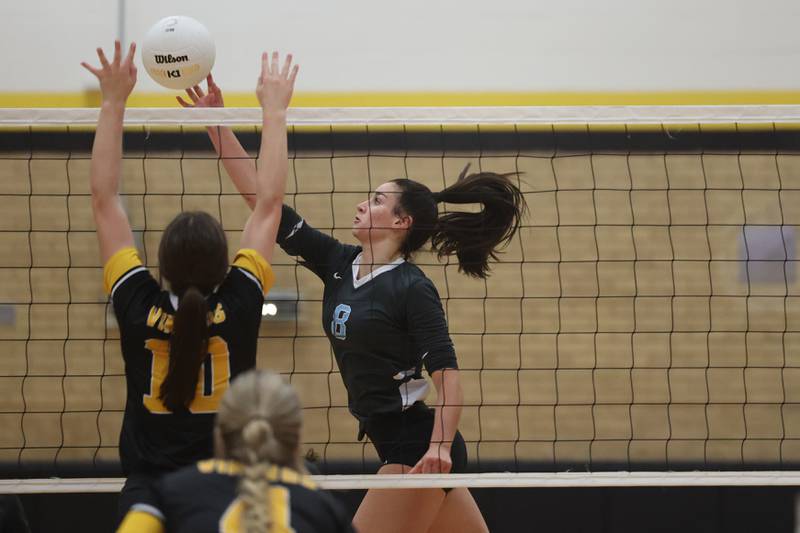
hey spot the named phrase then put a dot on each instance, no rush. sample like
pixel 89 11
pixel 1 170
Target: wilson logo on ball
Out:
pixel 169 58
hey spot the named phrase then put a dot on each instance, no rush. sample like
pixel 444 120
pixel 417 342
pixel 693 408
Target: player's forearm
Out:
pixel 236 161
pixel 448 405
pixel 107 154
pixel 273 161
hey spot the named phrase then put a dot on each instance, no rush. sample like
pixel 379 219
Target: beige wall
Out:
pixel 596 338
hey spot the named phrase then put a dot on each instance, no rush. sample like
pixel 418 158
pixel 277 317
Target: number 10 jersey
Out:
pixel 153 439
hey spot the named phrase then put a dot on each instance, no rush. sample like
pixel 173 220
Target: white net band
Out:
pixel 310 116
pixel 485 480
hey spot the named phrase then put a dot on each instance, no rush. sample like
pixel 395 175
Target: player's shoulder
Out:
pixel 290 477
pixel 202 472
pixel 348 253
pixel 412 270
pixel 317 506
pixel 341 263
pixel 412 275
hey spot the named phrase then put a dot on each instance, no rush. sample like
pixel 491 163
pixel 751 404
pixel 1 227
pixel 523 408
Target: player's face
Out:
pixel 376 218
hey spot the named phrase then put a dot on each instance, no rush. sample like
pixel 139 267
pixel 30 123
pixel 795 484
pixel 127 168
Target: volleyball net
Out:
pixel 645 317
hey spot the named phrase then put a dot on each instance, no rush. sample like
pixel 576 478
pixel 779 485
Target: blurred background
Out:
pixel 418 52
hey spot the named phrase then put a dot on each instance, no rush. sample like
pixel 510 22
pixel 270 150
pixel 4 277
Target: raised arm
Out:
pixel 117 80
pixel 274 91
pixel 295 236
pixel 235 159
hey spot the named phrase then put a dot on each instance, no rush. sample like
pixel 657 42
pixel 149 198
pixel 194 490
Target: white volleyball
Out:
pixel 178 52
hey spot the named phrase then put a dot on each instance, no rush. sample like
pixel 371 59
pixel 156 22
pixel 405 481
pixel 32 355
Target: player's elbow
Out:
pixel 102 194
pixel 101 202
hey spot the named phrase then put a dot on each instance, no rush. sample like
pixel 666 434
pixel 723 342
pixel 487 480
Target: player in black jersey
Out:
pixel 182 345
pixel 257 482
pixel 385 322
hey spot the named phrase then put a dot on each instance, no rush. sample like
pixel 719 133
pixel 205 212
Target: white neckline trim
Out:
pixel 372 275
pixel 174 300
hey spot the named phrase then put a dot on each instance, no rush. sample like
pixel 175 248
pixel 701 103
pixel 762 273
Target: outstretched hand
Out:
pixel 118 77
pixel 276 83
pixel 201 99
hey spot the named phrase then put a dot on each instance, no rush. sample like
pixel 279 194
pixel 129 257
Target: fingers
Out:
pixel 91 69
pixel 192 95
pixel 213 87
pixel 117 52
pixel 286 65
pixel 198 91
pixel 432 465
pixel 275 63
pixel 130 55
pixel 102 56
pixel 293 75
pixel 264 65
pixel 183 102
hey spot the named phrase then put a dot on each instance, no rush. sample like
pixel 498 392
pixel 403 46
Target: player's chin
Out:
pixel 362 231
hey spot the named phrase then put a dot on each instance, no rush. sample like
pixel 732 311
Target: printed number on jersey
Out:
pixel 338 324
pixel 202 403
pixel 280 513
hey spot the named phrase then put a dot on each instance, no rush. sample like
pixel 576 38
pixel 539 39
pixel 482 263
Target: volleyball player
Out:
pixel 181 345
pixel 385 322
pixel 257 482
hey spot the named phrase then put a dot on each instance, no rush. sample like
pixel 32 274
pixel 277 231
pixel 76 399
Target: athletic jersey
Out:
pixel 383 327
pixel 152 438
pixel 203 498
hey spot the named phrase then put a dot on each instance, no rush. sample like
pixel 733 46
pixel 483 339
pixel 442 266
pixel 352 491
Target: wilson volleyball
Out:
pixel 178 52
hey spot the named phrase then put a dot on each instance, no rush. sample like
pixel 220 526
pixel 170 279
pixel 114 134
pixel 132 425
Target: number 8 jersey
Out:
pixel 383 328
pixel 154 439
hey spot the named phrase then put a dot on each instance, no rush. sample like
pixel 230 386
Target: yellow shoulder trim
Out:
pixel 287 475
pixel 219 466
pixel 275 473
pixel 120 263
pixel 251 261
pixel 140 522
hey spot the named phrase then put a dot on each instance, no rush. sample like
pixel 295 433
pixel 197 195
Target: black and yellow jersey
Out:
pixel 203 498
pixel 152 438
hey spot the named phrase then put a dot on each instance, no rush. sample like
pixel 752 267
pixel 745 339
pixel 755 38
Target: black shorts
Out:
pixel 138 488
pixel 403 438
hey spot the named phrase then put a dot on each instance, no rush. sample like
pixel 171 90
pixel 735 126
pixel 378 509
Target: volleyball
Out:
pixel 178 52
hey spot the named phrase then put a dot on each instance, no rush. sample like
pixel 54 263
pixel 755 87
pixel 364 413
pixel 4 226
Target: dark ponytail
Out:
pixel 188 346
pixel 193 257
pixel 473 237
